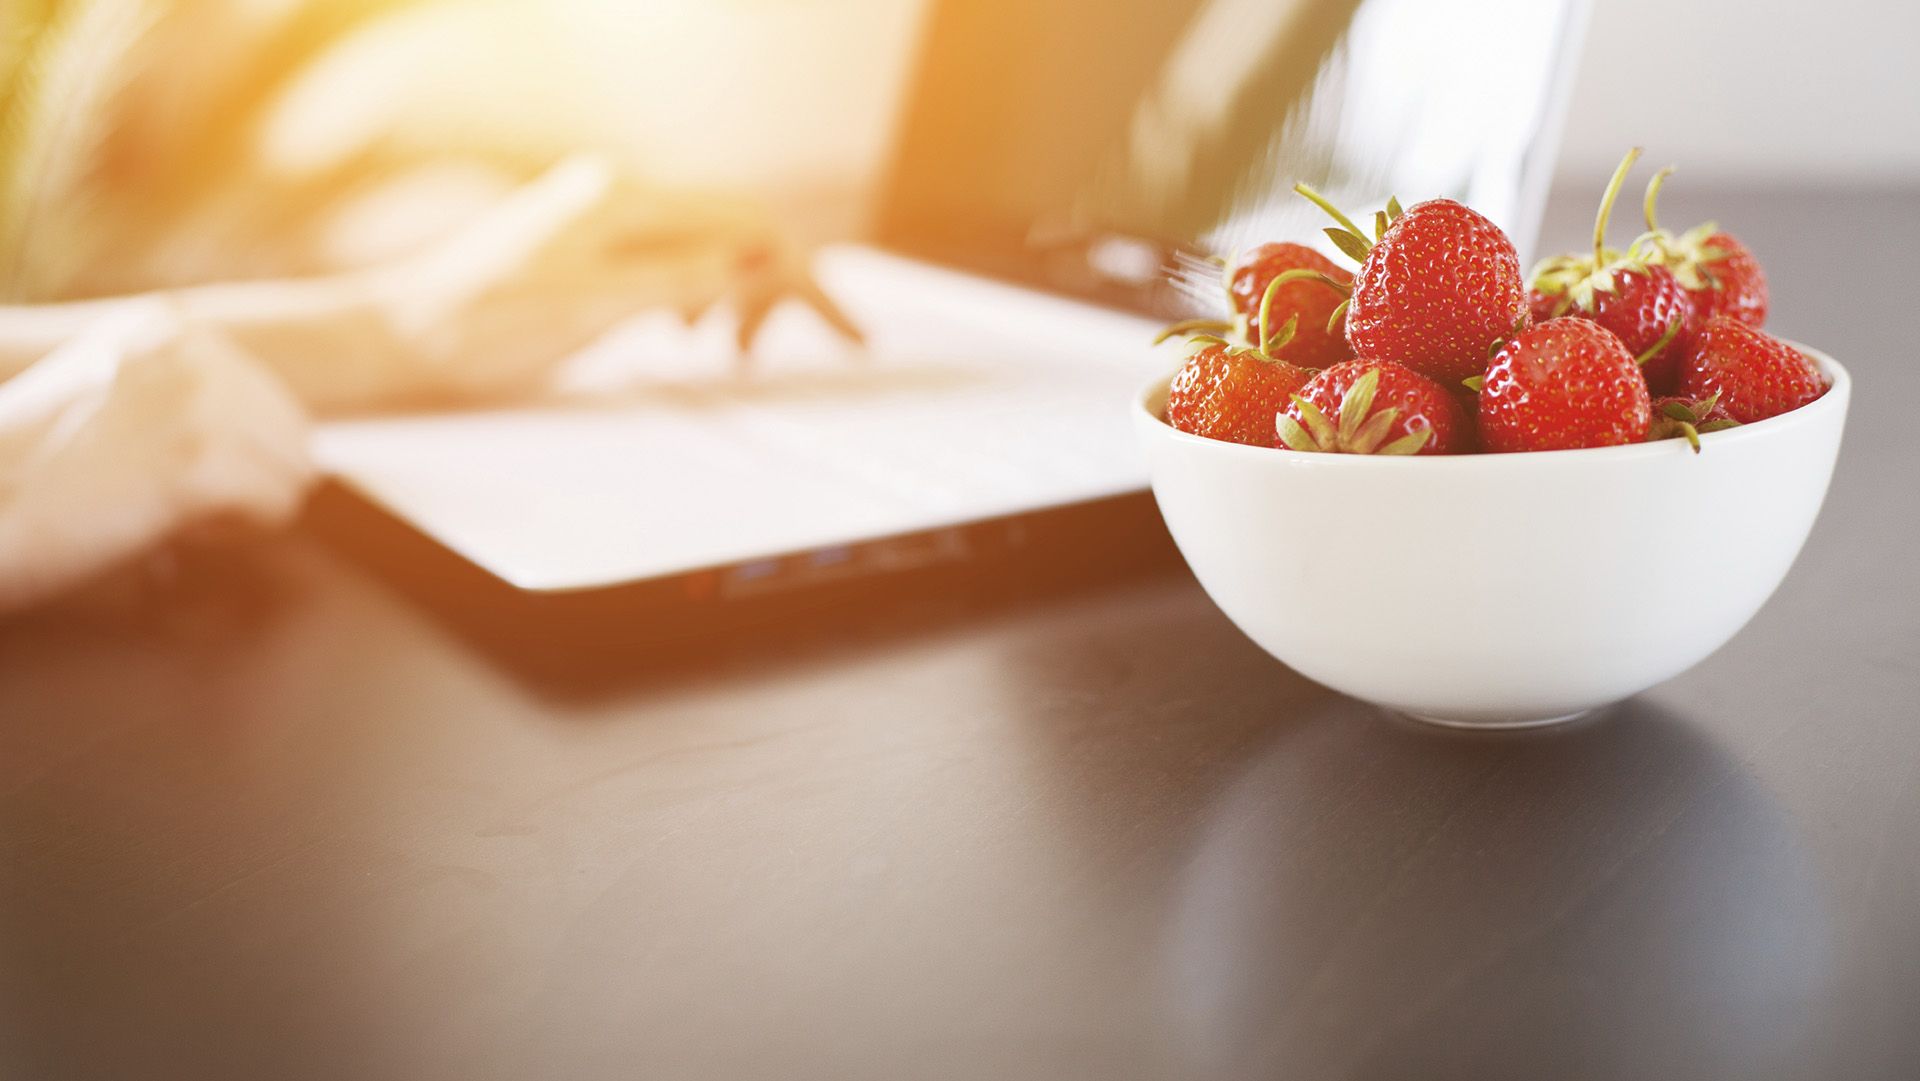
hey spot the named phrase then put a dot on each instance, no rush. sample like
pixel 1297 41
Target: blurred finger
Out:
pixel 754 309
pixel 819 301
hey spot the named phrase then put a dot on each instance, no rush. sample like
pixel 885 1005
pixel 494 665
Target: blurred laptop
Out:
pixel 1060 171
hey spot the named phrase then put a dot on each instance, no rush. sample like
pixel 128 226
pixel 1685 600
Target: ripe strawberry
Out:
pixel 1677 418
pixel 1378 407
pixel 1438 284
pixel 1565 383
pixel 1647 309
pixel 1718 272
pixel 1755 374
pixel 1653 317
pixel 1736 286
pixel 1317 342
pixel 1644 305
pixel 1230 392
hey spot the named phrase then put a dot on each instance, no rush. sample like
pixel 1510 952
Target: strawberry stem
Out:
pixel 1188 326
pixel 1653 195
pixel 1347 223
pixel 1693 436
pixel 1665 340
pixel 1287 330
pixel 1339 313
pixel 1300 273
pixel 1606 206
pixel 1266 312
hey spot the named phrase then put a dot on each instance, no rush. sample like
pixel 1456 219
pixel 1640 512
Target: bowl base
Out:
pixel 1525 722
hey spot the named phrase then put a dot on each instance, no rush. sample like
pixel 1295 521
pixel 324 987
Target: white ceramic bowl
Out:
pixel 1497 589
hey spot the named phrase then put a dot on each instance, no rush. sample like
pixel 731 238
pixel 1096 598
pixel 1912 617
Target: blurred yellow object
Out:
pixel 158 143
pixel 129 417
pixel 190 285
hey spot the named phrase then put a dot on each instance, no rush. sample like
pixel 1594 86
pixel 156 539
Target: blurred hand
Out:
pixel 140 424
pixel 132 417
pixel 488 310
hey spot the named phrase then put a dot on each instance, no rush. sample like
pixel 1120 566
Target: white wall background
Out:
pixel 1750 92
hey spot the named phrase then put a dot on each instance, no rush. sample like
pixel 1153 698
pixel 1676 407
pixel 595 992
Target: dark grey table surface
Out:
pixel 263 817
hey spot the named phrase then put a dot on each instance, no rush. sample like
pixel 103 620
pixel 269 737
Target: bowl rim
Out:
pixel 1813 412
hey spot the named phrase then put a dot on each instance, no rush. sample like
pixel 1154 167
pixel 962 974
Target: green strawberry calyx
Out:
pixel 1687 420
pixel 1356 432
pixel 1576 278
pixel 1269 341
pixel 1687 254
pixel 1673 331
pixel 1200 343
pixel 1350 238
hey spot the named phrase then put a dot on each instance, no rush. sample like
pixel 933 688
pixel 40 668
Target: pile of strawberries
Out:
pixel 1437 345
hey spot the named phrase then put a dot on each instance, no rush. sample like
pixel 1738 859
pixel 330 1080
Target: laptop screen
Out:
pixel 1080 144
